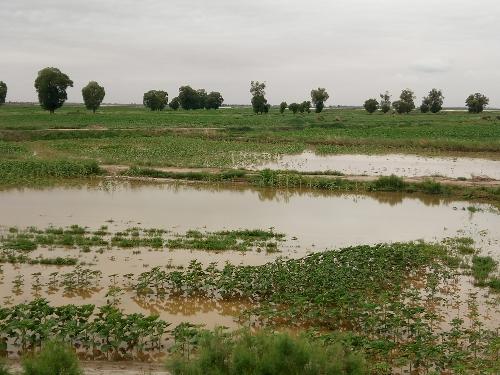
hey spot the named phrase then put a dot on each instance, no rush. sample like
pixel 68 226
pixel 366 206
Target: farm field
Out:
pixel 134 236
pixel 124 135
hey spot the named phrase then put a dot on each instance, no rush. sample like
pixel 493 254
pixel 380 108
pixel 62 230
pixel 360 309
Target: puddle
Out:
pixel 311 220
pixel 383 165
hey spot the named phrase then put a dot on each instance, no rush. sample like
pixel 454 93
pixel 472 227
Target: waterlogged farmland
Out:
pixel 129 235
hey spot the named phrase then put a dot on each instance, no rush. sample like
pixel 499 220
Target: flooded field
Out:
pixel 311 222
pixel 383 165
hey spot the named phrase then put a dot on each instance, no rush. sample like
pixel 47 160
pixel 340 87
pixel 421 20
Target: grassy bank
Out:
pixel 295 180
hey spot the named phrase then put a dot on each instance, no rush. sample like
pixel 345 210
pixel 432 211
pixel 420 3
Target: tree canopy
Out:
pixel 155 100
pixel 406 102
pixel 259 101
pixel 371 105
pixel 214 100
pixel 283 106
pixel 51 85
pixel 476 102
pixel 93 94
pixel 432 102
pixel 385 102
pixel 3 92
pixel 294 107
pixel 174 104
pixel 319 97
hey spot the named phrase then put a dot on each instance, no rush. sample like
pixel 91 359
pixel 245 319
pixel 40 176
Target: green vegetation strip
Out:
pixel 296 180
pixel 75 236
pixel 26 170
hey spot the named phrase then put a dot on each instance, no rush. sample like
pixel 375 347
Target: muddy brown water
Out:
pixel 383 165
pixel 312 221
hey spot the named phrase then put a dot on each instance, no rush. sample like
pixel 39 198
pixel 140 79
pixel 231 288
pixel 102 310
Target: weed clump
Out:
pixel 389 183
pixel 265 353
pixel 54 359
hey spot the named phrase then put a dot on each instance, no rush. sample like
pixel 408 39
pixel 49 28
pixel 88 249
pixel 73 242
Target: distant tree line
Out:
pixel 318 99
pixel 433 102
pixel 51 85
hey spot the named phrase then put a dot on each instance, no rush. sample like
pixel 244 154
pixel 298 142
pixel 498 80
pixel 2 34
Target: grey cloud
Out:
pixel 354 48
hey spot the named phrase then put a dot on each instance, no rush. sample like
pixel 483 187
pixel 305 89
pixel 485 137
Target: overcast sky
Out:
pixel 354 48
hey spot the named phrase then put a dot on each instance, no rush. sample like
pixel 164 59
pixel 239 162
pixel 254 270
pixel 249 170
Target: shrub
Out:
pixel 482 267
pixel 265 353
pixel 389 183
pixel 433 187
pixel 54 359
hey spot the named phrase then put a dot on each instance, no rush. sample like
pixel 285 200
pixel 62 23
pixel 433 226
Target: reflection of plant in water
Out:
pixel 17 284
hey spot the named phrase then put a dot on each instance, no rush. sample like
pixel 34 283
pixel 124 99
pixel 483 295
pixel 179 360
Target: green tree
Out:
pixel 51 85
pixel 201 98
pixel 476 102
pixel 305 106
pixel 283 106
pixel 319 97
pixel 294 107
pixel 259 101
pixel 190 98
pixel 432 102
pixel 93 94
pixel 371 105
pixel 214 100
pixel 155 100
pixel 385 102
pixel 426 105
pixel 406 102
pixel 3 92
pixel 401 107
pixel 174 104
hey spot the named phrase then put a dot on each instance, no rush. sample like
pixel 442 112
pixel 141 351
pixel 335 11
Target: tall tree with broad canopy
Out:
pixel 190 98
pixel 174 104
pixel 371 105
pixel 93 94
pixel 476 102
pixel 3 92
pixel 51 85
pixel 318 98
pixel 259 101
pixel 214 100
pixel 432 102
pixel 155 100
pixel 406 102
pixel 294 107
pixel 385 102
pixel 283 106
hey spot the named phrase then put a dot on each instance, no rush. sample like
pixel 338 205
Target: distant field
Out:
pixel 134 135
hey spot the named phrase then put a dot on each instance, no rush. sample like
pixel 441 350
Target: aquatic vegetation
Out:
pixel 380 296
pixel 106 329
pixel 26 240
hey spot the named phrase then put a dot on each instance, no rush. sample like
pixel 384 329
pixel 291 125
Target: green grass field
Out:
pixel 134 135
